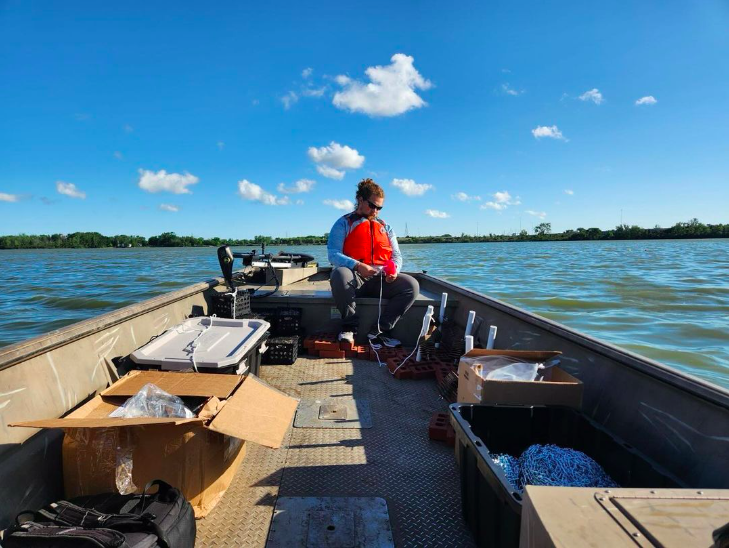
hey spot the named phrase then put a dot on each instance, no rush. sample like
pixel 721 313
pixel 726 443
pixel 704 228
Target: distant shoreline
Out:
pixel 692 229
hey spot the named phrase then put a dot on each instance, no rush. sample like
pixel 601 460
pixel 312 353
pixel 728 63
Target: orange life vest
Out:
pixel 367 241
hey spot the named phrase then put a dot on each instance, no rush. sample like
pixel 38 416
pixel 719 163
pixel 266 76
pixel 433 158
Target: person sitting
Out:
pixel 359 245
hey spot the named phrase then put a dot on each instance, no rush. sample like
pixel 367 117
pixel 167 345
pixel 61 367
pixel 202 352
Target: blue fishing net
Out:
pixel 553 465
pixel 512 469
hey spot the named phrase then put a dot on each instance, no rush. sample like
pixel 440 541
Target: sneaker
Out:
pixel 347 336
pixel 377 341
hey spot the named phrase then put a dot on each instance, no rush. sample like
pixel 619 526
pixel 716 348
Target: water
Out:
pixel 667 300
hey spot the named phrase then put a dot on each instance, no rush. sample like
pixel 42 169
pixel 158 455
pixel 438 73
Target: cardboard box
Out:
pixel 585 516
pixel 199 456
pixel 558 387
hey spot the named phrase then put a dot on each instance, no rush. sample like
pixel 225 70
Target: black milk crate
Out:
pixel 491 505
pixel 282 350
pixel 288 322
pixel 267 314
pixel 227 305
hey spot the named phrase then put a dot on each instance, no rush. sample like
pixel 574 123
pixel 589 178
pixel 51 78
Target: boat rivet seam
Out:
pixel 636 534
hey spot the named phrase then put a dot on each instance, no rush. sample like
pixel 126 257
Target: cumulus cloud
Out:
pixel 436 214
pixel 254 193
pixel 510 91
pixel 344 205
pixel 70 189
pixel 333 159
pixel 593 95
pixel 307 72
pixel 647 100
pixel 540 214
pixel 289 99
pixel 313 92
pixel 568 191
pixel 410 187
pixel 463 197
pixel 169 207
pixel 501 201
pixel 4 197
pixel 336 155
pixel 552 132
pixel 391 90
pixel 176 183
pixel 299 187
pixel 330 172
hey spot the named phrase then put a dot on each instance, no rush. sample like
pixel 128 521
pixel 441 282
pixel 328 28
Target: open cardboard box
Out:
pixel 199 456
pixel 558 387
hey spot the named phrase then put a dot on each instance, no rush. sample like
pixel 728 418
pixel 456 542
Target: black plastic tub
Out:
pixel 491 505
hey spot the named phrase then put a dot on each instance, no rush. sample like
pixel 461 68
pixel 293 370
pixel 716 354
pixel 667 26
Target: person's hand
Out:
pixel 366 271
pixel 390 279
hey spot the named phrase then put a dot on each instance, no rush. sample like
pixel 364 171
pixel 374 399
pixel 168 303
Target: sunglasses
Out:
pixel 373 206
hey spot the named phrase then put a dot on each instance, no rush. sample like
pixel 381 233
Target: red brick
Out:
pixel 326 345
pixel 309 342
pixel 331 353
pixel 346 345
pixel 438 427
pixel 351 354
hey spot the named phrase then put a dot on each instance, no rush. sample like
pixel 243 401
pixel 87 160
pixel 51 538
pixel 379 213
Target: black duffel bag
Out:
pixel 151 520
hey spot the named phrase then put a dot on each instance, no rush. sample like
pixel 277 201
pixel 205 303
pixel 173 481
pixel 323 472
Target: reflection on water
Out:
pixel 668 300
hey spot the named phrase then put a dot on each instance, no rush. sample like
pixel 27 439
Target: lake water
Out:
pixel 667 300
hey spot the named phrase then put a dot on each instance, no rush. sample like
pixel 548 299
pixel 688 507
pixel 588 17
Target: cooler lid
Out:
pixel 215 342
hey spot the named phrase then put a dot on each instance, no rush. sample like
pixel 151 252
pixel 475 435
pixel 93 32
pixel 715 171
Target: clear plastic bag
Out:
pixel 152 401
pixel 502 368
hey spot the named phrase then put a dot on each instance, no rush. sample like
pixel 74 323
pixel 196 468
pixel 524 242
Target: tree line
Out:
pixel 542 232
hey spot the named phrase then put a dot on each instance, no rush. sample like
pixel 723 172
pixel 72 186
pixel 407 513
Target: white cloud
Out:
pixel 494 205
pixel 162 181
pixel 69 189
pixel 593 95
pixel 552 132
pixel 436 214
pixel 540 214
pixel 169 207
pixel 254 193
pixel 390 91
pixel 300 186
pixel 4 197
pixel 410 187
pixel 336 155
pixel 221 145
pixel 307 72
pixel 502 200
pixel 118 155
pixel 330 172
pixel 570 192
pixel 509 91
pixel 289 99
pixel 344 205
pixel 647 100
pixel 299 202
pixel 313 92
pixel 463 197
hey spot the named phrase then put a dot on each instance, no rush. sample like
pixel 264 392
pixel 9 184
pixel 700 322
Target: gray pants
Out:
pixel 347 284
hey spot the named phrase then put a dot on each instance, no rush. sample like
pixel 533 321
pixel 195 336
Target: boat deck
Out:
pixel 394 460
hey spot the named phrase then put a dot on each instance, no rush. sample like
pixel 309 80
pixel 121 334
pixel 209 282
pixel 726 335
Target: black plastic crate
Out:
pixel 491 505
pixel 268 314
pixel 227 305
pixel 282 350
pixel 288 322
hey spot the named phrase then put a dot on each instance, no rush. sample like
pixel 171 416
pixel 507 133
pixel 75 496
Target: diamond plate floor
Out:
pixel 394 459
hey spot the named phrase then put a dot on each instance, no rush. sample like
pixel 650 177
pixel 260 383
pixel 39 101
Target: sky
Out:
pixel 235 119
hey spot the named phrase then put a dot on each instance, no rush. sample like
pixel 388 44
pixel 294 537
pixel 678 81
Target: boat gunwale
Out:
pixel 698 387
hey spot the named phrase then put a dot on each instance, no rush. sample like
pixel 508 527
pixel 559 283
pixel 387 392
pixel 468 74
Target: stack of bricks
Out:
pixel 327 345
pixel 426 368
pixel 440 429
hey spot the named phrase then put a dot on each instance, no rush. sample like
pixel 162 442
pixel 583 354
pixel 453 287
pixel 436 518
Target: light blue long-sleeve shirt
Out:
pixel 335 245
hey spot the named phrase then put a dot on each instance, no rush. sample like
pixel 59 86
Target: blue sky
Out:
pixel 214 119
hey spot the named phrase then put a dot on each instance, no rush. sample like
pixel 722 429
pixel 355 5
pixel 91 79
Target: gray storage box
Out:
pixel 215 344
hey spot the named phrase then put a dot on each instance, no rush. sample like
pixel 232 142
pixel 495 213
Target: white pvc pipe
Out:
pixel 492 337
pixel 469 323
pixel 424 329
pixel 469 343
pixel 443 302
